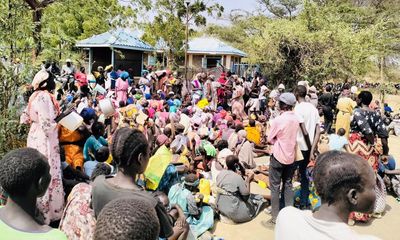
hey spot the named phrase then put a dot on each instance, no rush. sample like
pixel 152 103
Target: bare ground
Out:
pixel 385 228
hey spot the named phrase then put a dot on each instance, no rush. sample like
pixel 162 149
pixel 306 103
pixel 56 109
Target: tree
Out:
pixel 170 21
pixel 323 42
pixel 37 8
pixel 281 8
pixel 64 24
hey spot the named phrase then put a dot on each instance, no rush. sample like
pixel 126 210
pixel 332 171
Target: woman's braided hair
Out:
pixel 126 146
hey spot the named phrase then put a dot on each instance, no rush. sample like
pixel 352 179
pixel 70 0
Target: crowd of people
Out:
pixel 154 159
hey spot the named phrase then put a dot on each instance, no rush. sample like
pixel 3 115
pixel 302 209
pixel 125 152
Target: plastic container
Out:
pixel 107 107
pixel 71 121
pixel 205 187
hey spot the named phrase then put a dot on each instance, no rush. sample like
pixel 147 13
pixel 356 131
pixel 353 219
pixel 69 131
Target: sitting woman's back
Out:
pixel 130 151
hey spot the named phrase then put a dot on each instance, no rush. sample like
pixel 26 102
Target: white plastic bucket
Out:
pixel 107 107
pixel 71 121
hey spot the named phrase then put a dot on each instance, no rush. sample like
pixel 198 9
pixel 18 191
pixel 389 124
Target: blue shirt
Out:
pixel 91 146
pixel 337 142
pixel 388 109
pixel 89 166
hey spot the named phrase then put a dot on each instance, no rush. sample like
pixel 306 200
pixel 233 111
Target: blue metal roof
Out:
pixel 118 38
pixel 210 45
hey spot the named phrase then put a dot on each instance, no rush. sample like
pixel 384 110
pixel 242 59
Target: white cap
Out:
pixel 281 86
pixel 68 60
pixel 353 89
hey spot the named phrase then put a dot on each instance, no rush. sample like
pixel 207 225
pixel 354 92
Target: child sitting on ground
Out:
pixel 101 155
pixel 181 228
pixel 338 141
pixel 199 217
pixel 94 142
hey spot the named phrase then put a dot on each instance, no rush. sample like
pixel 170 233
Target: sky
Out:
pixel 229 5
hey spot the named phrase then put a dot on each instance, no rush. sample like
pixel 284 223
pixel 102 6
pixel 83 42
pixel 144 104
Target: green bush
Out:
pixel 12 134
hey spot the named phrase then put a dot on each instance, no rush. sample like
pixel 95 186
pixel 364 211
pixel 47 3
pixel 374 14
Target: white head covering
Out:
pixel 353 89
pixel 281 86
pixel 40 77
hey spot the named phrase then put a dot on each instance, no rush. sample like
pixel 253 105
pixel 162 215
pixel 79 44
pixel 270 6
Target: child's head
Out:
pixel 127 218
pixel 341 132
pixel 23 172
pixel 98 129
pixel 346 181
pixel 191 182
pixel 252 123
pixel 162 197
pixel 100 169
pixel 102 154
pixel 222 144
pixel 233 164
pixel 130 150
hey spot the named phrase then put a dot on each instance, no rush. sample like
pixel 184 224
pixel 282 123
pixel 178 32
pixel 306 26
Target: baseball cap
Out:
pixel 281 86
pixel 288 98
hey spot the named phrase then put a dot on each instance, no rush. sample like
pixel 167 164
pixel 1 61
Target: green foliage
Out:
pixel 15 29
pixel 282 8
pixel 170 22
pixel 325 41
pixel 62 23
pixel 12 134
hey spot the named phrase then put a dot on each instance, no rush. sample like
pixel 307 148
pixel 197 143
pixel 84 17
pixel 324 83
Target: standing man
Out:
pixel 282 135
pixel 68 68
pixel 307 139
pixel 327 102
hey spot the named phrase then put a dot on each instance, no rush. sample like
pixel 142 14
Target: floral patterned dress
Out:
pixel 78 221
pixel 43 135
pixel 363 123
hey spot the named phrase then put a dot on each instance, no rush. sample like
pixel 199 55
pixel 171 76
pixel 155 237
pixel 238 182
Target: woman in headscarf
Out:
pixel 234 200
pixel 345 106
pixel 366 126
pixel 221 91
pixel 40 113
pixel 238 102
pixel 121 87
pixel 197 88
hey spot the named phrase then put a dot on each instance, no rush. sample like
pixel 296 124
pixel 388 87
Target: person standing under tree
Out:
pixel 307 139
pixel 41 112
pixel 282 135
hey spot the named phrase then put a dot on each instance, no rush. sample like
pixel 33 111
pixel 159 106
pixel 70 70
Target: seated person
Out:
pixel 199 217
pixel 126 219
pixel 245 151
pixel 253 133
pixel 338 141
pixel 71 176
pixel 391 176
pixel 234 200
pixel 387 108
pixel 75 222
pixel 345 183
pixel 101 155
pixel 181 228
pixel 130 152
pixel 25 176
pixel 95 141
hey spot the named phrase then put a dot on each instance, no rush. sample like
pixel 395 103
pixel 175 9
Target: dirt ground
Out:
pixel 383 228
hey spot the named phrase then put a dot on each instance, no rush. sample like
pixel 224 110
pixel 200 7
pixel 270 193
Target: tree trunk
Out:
pixel 382 63
pixel 37 16
pixel 37 8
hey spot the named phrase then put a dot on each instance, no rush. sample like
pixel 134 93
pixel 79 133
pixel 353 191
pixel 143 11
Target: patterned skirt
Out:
pixel 360 147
